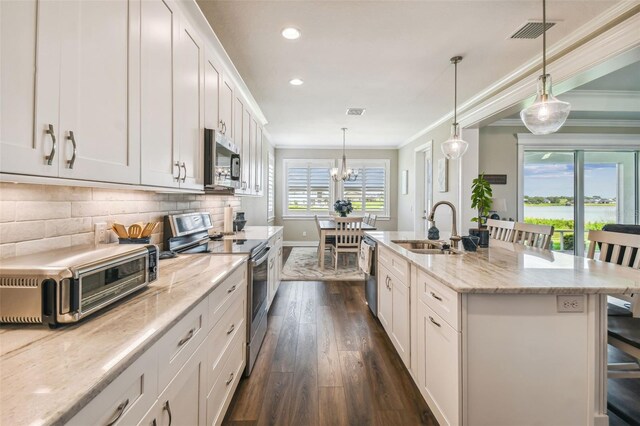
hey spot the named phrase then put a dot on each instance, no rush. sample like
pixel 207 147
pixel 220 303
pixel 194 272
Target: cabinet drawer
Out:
pixel 127 398
pixel 443 300
pixel 233 363
pixel 396 264
pixel 232 323
pixel 223 295
pixel 177 346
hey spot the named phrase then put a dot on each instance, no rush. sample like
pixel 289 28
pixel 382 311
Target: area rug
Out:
pixel 302 265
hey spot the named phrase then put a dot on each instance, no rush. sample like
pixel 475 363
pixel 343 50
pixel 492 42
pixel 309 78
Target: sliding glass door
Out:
pixel 579 190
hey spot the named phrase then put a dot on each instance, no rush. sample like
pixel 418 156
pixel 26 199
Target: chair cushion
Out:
pixel 626 329
pixel 614 310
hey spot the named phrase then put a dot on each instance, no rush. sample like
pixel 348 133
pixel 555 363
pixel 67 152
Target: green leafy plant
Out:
pixel 481 198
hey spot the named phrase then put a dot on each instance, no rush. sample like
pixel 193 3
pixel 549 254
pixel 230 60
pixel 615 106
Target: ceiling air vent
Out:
pixel 531 30
pixel 355 111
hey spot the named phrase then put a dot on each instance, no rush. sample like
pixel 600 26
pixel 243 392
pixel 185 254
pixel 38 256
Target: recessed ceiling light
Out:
pixel 291 33
pixel 296 82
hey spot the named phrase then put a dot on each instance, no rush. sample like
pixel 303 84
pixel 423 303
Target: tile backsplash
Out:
pixel 35 218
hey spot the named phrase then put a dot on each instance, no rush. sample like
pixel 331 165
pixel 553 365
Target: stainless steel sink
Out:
pixel 424 247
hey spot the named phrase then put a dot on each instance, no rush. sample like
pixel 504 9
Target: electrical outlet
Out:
pixel 101 235
pixel 304 233
pixel 570 303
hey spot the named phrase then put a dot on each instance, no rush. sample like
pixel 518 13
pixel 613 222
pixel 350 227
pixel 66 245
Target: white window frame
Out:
pixel 291 162
pixel 271 187
pixel 362 163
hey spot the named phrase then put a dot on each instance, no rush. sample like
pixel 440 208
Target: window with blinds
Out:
pixel 271 187
pixel 368 193
pixel 308 186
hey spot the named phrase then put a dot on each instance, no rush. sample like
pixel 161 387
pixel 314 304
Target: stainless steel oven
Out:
pixel 257 305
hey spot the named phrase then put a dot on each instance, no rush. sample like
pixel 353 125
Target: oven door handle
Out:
pixel 259 261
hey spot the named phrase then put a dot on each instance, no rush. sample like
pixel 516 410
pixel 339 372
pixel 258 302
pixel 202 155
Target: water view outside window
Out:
pixel 609 192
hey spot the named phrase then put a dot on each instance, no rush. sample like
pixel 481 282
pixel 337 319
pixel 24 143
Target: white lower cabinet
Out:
pixel 189 376
pixel 394 311
pixel 439 361
pixel 275 267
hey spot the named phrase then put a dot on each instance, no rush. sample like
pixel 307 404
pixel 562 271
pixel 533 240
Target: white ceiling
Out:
pixel 390 57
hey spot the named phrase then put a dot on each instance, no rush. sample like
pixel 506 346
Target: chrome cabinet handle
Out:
pixel 186 338
pixel 167 408
pixel 435 296
pixel 230 379
pixel 221 126
pixel 232 289
pixel 177 164
pixel 72 138
pixel 233 327
pixel 184 166
pixel 154 422
pixel 434 321
pixel 52 154
pixel 119 412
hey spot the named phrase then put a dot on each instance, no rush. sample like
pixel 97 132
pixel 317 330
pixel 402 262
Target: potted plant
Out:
pixel 481 200
pixel 343 207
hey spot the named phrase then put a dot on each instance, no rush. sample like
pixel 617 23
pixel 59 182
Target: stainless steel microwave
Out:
pixel 67 285
pixel 221 161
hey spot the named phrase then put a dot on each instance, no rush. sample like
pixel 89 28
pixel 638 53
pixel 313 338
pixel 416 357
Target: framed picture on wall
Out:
pixel 443 175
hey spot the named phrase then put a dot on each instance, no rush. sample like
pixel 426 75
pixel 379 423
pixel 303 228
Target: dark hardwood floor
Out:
pixel 326 361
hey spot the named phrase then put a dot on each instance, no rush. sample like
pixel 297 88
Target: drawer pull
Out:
pixel 167 408
pixel 119 412
pixel 186 338
pixel 435 296
pixel 233 327
pixel 433 321
pixel 230 379
pixel 52 154
pixel 232 289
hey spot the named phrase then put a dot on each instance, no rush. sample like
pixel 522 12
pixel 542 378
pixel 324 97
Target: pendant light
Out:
pixel 455 147
pixel 547 114
pixel 344 174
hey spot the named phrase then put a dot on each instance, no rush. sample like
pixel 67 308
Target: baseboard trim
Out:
pixel 300 243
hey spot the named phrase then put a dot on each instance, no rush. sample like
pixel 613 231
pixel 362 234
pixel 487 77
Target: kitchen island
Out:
pixel 132 359
pixel 506 335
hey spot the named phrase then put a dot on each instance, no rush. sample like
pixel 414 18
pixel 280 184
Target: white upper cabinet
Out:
pixel 247 169
pixel 99 86
pixel 227 110
pixel 29 126
pixel 160 151
pixel 259 161
pixel 212 79
pixel 253 142
pixel 189 108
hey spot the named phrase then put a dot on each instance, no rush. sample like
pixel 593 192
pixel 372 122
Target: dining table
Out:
pixel 327 229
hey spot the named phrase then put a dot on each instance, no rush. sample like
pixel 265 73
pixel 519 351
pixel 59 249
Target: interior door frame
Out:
pixel 419 184
pixel 578 143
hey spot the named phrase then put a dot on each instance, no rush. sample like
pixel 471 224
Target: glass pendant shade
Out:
pixel 454 147
pixel 547 113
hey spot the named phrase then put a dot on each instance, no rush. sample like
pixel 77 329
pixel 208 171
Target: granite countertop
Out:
pixel 46 376
pixel 255 233
pixel 514 268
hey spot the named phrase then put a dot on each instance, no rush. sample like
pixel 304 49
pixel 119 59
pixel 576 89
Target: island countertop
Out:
pixel 513 268
pixel 47 376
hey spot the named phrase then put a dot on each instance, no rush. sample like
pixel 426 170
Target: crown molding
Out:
pixel 573 122
pixel 607 42
pixel 195 14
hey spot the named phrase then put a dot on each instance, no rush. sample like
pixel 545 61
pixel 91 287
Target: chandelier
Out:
pixel 344 174
pixel 455 146
pixel 547 113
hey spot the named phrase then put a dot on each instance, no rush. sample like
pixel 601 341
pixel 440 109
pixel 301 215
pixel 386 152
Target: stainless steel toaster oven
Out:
pixel 64 286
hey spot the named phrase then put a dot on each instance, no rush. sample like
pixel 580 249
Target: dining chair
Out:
pixel 502 230
pixel 328 241
pixel 348 235
pixel 528 234
pixel 366 218
pixel 372 220
pixel 623 324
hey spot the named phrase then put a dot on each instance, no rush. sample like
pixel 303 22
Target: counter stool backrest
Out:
pixel 502 230
pixel 533 235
